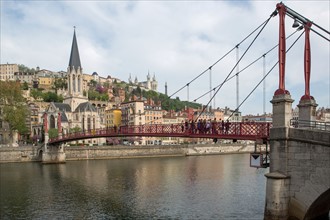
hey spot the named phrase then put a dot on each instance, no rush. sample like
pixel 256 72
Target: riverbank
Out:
pixel 29 153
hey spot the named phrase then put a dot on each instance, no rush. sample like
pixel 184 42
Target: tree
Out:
pixel 106 85
pixel 92 95
pixel 75 129
pixel 50 97
pixel 53 132
pixel 36 94
pixel 92 83
pixel 25 86
pixel 59 83
pixel 14 109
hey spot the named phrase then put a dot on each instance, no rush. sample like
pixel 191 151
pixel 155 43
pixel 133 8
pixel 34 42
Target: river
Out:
pixel 195 187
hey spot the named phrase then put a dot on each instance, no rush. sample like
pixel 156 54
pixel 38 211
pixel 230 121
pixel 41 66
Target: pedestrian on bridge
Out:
pixel 214 126
pixel 208 126
pixel 227 126
pixel 199 126
pixel 193 127
pixel 186 126
pixel 222 129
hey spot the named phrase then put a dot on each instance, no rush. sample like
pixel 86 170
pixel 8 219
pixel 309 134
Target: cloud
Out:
pixel 175 40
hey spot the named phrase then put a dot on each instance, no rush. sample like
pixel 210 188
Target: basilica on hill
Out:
pixel 76 112
pixel 150 84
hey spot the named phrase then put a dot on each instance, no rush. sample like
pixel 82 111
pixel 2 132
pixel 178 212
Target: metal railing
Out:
pixel 233 130
pixel 296 123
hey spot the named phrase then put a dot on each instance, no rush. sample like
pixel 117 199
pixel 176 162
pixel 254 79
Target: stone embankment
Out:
pixel 30 154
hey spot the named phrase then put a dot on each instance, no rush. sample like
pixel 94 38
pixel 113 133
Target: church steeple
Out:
pixel 74 61
pixel 75 77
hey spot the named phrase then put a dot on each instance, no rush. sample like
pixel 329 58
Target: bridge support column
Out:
pixel 278 181
pixel 307 109
pixel 277 196
pixel 54 154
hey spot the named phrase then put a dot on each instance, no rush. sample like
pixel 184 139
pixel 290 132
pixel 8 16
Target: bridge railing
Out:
pixel 296 123
pixel 234 130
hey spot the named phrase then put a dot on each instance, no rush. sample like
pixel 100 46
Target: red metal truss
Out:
pixel 234 130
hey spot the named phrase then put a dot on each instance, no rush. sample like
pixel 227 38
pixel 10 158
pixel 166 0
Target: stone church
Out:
pixel 76 113
pixel 150 84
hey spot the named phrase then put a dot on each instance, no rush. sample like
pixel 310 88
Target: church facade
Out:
pixel 76 113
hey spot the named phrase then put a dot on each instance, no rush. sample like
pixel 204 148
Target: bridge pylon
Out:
pixel 52 153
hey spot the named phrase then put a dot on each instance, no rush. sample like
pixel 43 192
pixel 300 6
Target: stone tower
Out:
pixel 75 77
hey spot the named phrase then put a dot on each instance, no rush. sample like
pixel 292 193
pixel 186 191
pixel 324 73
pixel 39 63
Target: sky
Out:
pixel 176 41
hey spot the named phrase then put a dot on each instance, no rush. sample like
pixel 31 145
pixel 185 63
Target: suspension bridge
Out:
pixel 298 185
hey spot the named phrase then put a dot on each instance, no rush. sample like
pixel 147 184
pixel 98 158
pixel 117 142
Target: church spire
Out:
pixel 74 61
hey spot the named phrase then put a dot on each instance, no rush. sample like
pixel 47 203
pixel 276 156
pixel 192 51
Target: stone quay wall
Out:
pixel 29 154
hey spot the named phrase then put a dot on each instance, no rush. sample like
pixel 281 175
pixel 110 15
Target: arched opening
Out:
pixel 83 123
pixel 88 123
pixel 52 121
pixel 320 208
pixel 74 83
pixel 79 82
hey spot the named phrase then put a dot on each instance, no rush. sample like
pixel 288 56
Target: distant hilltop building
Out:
pixel 150 84
pixel 7 71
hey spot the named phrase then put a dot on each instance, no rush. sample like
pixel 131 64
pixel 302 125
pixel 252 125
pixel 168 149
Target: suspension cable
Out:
pixel 266 75
pixel 265 23
pixel 220 58
pixel 253 62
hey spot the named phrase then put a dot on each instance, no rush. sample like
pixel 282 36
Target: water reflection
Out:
pixel 204 187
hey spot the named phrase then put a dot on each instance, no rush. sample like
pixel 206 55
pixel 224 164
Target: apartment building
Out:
pixel 7 71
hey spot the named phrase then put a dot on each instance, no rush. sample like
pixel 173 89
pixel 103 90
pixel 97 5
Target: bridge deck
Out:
pixel 233 130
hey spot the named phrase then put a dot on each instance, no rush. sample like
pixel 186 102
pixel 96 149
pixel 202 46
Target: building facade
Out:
pixel 7 71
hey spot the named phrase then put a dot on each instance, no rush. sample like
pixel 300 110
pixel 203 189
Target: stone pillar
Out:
pixel 278 182
pixel 55 154
pixel 282 110
pixel 307 110
pixel 277 196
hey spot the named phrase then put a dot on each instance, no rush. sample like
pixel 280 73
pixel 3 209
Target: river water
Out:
pixel 194 187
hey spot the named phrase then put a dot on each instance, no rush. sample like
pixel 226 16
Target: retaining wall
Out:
pixel 29 154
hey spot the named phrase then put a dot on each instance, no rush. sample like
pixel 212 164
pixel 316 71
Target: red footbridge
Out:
pixel 232 130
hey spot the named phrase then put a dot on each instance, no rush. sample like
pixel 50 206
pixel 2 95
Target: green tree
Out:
pixel 59 83
pixel 52 97
pixel 53 132
pixel 25 86
pixel 93 95
pixel 92 83
pixel 14 109
pixel 106 85
pixel 104 97
pixel 36 94
pixel 75 129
